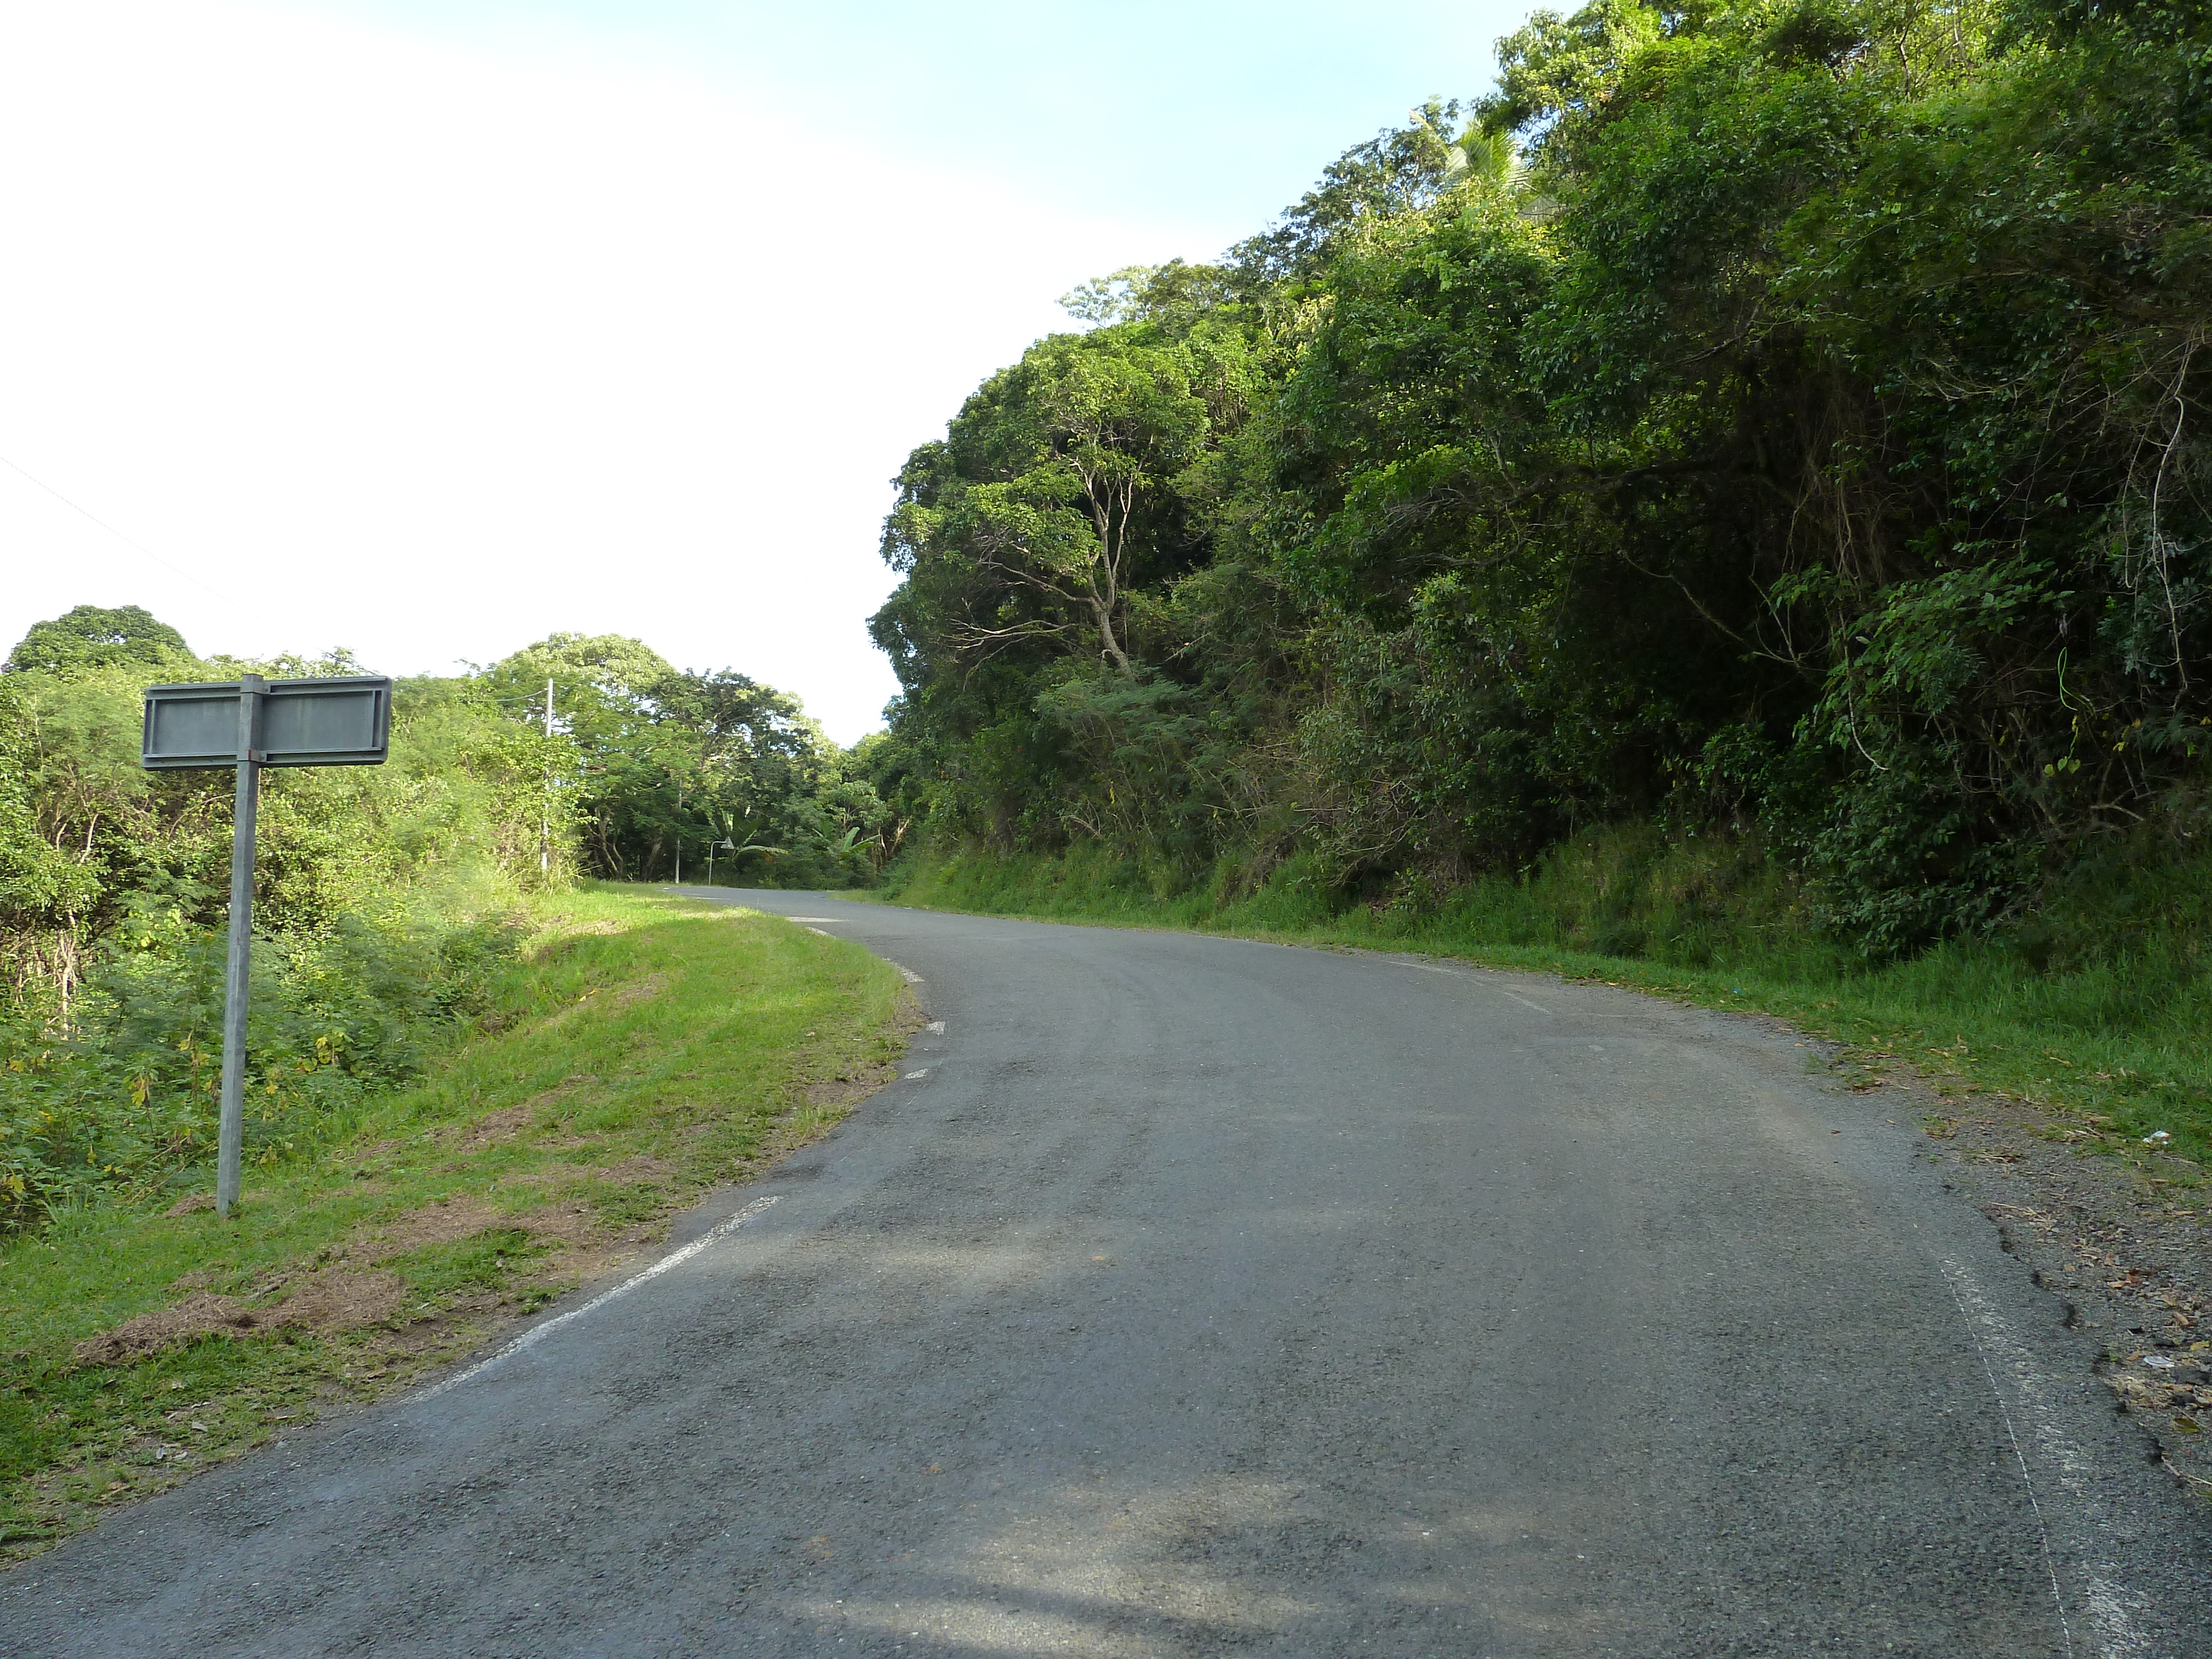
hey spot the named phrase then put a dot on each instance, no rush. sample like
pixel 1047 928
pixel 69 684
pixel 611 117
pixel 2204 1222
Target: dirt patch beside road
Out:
pixel 2119 1234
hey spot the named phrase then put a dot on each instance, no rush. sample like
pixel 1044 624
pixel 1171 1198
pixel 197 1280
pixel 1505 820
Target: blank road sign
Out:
pixel 344 721
pixel 334 722
pixel 190 726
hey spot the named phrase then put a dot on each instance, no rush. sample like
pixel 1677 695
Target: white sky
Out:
pixel 430 334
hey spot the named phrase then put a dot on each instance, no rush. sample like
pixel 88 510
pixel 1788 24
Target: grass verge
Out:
pixel 642 1049
pixel 2095 1007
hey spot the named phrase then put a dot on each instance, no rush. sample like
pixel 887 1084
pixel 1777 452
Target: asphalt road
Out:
pixel 1199 1296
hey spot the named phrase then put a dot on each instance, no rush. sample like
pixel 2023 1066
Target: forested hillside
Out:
pixel 386 893
pixel 1779 424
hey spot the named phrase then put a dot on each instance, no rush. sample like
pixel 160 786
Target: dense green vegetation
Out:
pixel 1761 432
pixel 672 768
pixel 388 897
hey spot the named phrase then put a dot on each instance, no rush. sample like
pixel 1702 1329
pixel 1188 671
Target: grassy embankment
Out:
pixel 639 1050
pixel 2096 1006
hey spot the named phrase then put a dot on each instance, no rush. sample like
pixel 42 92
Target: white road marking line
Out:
pixel 1439 968
pixel 719 1230
pixel 817 929
pixel 935 1028
pixel 915 1076
pixel 809 918
pixel 2116 1635
pixel 905 973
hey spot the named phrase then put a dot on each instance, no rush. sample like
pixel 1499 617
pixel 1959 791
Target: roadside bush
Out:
pixel 122 1101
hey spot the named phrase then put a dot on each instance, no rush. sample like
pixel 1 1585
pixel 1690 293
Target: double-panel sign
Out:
pixel 250 723
pixel 345 720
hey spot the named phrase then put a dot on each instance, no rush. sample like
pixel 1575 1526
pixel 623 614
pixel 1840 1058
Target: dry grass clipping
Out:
pixel 336 1299
pixel 433 1224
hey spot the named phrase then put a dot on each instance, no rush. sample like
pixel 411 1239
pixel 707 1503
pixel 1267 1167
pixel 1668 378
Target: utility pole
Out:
pixel 545 820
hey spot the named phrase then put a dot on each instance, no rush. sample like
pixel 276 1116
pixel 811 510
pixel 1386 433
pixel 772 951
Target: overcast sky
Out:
pixel 427 330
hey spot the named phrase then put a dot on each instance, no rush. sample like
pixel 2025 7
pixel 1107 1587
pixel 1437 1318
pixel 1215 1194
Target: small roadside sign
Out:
pixel 344 721
pixel 250 723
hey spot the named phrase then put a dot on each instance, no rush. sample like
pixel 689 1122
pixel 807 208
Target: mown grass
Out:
pixel 642 1049
pixel 2095 1004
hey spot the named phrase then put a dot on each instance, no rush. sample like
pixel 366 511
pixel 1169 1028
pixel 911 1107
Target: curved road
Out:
pixel 1197 1296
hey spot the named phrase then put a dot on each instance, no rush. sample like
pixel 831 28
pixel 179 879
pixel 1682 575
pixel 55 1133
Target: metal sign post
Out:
pixel 237 979
pixel 250 723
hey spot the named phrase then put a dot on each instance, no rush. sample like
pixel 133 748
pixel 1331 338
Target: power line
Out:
pixel 113 530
